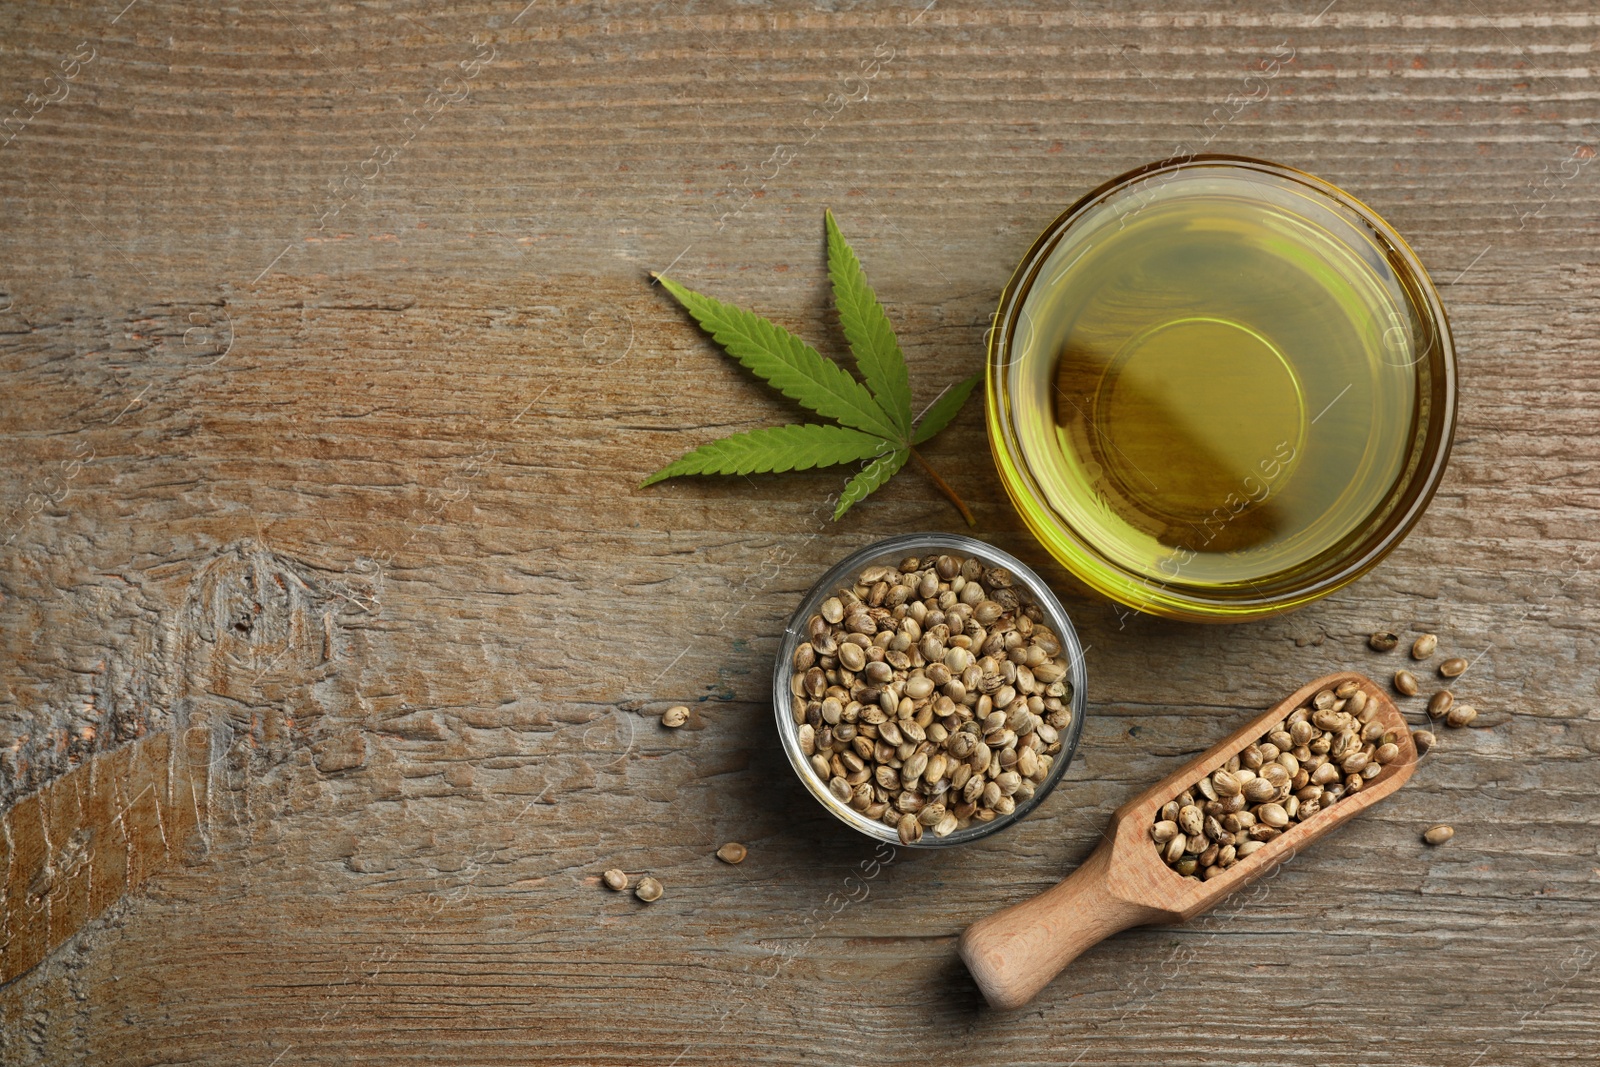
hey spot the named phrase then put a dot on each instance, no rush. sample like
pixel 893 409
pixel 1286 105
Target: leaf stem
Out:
pixel 944 487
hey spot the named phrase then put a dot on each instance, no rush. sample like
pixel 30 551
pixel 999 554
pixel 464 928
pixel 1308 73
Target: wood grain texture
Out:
pixel 333 323
pixel 70 851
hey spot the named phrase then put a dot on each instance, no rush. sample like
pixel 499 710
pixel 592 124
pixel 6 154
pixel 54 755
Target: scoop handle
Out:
pixel 1014 953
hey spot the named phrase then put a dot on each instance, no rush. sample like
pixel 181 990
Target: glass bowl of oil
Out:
pixel 1220 388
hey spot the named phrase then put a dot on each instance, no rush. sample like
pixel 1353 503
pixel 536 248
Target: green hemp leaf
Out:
pixel 875 427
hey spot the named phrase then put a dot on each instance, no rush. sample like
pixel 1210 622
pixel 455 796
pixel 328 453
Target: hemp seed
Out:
pixel 675 716
pixel 1439 704
pixel 615 879
pixel 648 889
pixel 1383 641
pixel 932 695
pixel 1317 754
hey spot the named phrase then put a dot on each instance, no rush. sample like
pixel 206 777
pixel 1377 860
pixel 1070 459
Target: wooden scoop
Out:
pixel 1016 952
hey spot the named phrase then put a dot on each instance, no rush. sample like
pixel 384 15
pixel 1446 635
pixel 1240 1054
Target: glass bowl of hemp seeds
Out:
pixel 929 690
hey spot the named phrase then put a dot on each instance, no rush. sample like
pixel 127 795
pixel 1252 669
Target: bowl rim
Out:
pixel 1174 600
pixel 898 548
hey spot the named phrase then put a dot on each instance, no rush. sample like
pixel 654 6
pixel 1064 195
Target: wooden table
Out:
pixel 334 623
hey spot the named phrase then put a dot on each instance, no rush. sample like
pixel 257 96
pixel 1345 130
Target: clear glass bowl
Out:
pixel 1392 351
pixel 889 553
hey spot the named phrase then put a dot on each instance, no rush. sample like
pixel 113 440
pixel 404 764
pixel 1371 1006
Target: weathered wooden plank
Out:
pixel 411 404
pixel 94 834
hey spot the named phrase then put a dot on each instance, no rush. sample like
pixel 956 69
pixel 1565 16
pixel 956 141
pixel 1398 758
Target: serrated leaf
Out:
pixel 792 367
pixel 945 408
pixel 780 448
pixel 870 480
pixel 867 328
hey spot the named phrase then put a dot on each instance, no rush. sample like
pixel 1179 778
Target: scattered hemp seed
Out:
pixel 1438 835
pixel 615 879
pixel 649 889
pixel 1440 703
pixel 675 716
pixel 732 852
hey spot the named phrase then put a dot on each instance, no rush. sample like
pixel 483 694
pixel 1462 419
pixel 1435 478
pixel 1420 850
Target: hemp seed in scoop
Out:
pixel 1317 755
